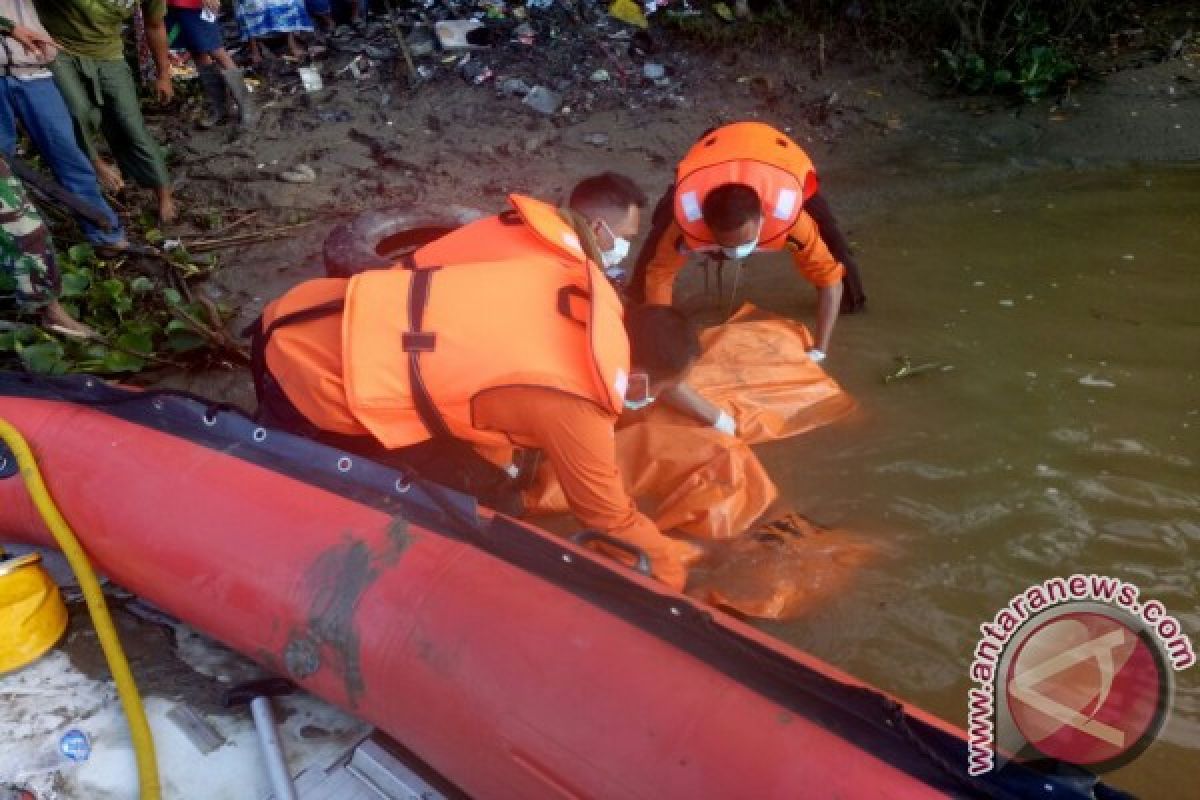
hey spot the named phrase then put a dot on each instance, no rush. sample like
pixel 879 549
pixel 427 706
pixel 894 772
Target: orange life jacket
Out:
pixel 511 234
pixel 749 153
pixel 418 345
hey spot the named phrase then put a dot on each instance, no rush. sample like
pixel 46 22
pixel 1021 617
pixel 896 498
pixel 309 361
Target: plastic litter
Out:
pixel 475 72
pixel 723 11
pixel 359 67
pixel 524 34
pixel 56 753
pixel 310 77
pixel 515 86
pixel 301 173
pixel 452 33
pixel 543 100
pixel 419 43
pixel 628 12
pixel 75 745
pixel 199 731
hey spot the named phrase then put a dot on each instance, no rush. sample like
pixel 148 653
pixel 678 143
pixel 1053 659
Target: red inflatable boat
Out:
pixel 514 663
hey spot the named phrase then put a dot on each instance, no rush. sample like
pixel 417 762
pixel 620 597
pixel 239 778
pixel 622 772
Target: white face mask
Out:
pixel 619 251
pixel 743 250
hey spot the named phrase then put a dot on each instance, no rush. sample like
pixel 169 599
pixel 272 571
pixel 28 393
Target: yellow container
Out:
pixel 32 613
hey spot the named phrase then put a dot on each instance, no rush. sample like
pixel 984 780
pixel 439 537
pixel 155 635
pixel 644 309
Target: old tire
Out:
pixel 378 239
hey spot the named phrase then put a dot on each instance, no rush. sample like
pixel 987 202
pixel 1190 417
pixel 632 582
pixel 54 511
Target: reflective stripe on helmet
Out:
pixel 690 204
pixel 786 204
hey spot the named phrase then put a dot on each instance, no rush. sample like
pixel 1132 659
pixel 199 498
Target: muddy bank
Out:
pixel 881 137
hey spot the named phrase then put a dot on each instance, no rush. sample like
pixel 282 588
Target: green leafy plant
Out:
pixel 139 323
pixel 1031 73
pixel 1026 48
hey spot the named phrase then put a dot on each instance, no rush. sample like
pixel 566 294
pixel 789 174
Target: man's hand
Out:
pixel 213 7
pixel 164 89
pixel 35 43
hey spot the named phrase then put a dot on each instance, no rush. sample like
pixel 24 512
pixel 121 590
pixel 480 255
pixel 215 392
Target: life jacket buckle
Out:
pixel 419 341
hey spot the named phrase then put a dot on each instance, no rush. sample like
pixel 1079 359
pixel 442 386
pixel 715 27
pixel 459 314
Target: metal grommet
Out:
pixel 402 486
pixel 566 557
pixel 675 611
pixel 89 383
pixel 344 464
pixel 3 463
pixel 260 434
pixel 210 419
pixel 158 404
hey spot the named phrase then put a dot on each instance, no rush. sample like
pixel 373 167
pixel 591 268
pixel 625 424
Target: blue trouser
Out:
pixel 41 110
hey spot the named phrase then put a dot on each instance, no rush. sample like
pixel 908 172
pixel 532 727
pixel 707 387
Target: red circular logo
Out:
pixel 1087 688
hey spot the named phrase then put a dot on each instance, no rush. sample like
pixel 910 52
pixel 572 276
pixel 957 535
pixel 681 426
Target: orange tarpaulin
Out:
pixel 688 479
pixel 756 366
pixel 695 481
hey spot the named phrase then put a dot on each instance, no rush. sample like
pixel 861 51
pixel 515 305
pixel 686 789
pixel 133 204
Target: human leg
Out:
pixel 48 123
pixel 138 155
pixel 77 86
pixel 450 462
pixel 235 82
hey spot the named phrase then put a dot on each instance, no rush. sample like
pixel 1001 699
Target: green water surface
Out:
pixel 1060 434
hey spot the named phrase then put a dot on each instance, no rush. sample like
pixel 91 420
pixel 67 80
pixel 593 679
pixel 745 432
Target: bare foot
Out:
pixel 167 212
pixel 108 175
pixel 297 50
pixel 56 316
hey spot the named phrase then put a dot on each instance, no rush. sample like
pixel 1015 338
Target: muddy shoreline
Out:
pixel 881 137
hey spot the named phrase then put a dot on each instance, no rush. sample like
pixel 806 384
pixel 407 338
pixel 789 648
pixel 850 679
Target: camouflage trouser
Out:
pixel 26 256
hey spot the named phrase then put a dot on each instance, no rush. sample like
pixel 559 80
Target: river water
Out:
pixel 1059 433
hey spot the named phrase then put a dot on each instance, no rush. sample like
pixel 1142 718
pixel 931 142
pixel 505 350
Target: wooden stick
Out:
pixel 413 78
pixel 217 337
pixel 204 245
pixel 235 223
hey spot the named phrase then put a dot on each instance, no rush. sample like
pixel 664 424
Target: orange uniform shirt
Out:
pixel 574 434
pixel 810 257
pixel 577 438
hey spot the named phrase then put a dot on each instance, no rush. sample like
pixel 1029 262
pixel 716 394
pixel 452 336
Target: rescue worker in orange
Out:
pixel 504 335
pixel 742 189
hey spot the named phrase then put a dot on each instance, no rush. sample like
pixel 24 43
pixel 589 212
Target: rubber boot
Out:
pixel 214 93
pixel 247 110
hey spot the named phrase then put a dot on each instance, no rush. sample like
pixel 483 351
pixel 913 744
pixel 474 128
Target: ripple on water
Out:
pixel 1183 725
pixel 935 518
pixel 1132 535
pixel 922 469
pixel 926 647
pixel 1136 493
